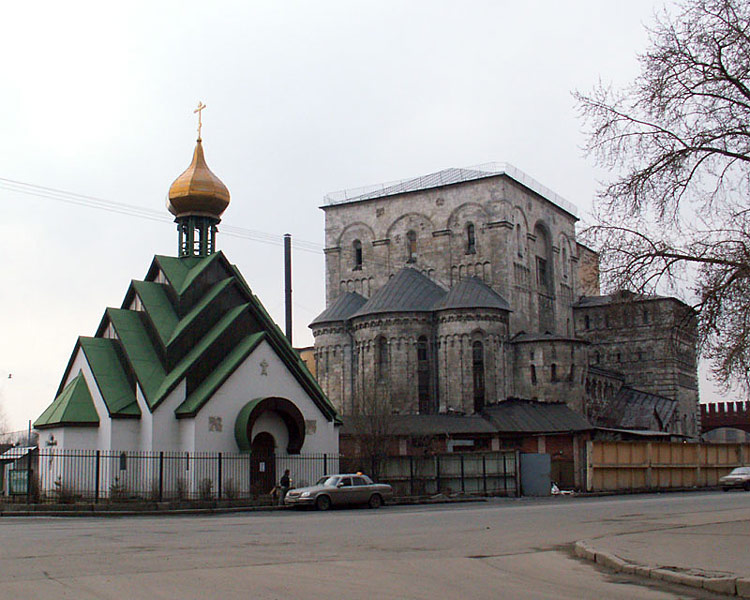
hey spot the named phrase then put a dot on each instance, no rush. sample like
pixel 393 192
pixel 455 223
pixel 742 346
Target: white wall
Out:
pixel 247 383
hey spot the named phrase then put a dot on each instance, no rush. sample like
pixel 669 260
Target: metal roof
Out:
pixel 472 293
pixel 407 291
pixel 342 308
pixel 426 425
pixel 73 406
pixel 529 416
pixel 635 409
pixel 448 177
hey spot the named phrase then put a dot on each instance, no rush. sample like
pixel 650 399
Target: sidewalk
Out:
pixel 715 556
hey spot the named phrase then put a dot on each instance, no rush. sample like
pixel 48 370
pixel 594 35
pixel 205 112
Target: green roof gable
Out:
pixel 196 324
pixel 73 406
pixel 158 307
pixel 114 385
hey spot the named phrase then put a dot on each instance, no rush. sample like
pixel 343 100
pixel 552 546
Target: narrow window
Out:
pixel 411 246
pixel 471 241
pixel 553 372
pixel 587 322
pixel 645 316
pixel 518 240
pixel 533 375
pixel 565 263
pixel 477 363
pixel 381 358
pixel 423 375
pixel 357 247
pixel 541 272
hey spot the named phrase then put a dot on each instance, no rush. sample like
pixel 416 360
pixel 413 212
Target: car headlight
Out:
pixel 304 495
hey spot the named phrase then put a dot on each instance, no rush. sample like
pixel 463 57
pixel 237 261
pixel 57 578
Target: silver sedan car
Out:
pixel 345 488
pixel 738 478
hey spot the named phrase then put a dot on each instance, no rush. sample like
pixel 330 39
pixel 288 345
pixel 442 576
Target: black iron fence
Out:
pixel 50 475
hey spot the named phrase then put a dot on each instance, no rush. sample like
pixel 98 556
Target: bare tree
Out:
pixel 372 421
pixel 677 142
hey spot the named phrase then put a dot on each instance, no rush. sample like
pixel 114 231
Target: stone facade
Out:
pixel 511 235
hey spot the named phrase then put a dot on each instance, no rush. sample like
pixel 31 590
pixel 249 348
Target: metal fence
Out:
pixel 48 475
pixel 51 475
pixel 490 473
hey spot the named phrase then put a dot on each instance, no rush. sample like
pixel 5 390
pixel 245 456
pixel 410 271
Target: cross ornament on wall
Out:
pixel 264 367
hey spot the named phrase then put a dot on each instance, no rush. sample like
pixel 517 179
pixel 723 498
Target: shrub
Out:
pixel 206 489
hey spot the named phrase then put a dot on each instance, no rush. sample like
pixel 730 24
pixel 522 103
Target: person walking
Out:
pixel 284 484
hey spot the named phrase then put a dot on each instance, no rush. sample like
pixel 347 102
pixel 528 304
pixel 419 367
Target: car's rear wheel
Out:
pixel 747 486
pixel 376 501
pixel 725 489
pixel 323 503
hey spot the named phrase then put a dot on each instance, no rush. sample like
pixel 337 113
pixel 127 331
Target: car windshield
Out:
pixel 328 481
pixel 741 471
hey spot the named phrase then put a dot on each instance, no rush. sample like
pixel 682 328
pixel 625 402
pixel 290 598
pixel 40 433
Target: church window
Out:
pixel 571 375
pixel 471 241
pixel 423 375
pixel 541 272
pixel 645 316
pixel 357 248
pixel 565 263
pixel 519 243
pixel 477 363
pixel 596 358
pixel 381 358
pixel 553 372
pixel 533 375
pixel 587 322
pixel 411 246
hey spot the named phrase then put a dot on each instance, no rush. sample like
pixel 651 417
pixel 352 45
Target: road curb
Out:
pixel 158 509
pixel 738 587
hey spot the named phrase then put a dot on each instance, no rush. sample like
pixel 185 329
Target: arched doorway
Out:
pixel 263 463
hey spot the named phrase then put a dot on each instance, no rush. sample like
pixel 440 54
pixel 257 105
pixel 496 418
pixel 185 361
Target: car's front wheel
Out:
pixel 376 501
pixel 323 503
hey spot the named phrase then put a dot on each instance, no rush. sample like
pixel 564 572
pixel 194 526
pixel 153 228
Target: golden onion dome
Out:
pixel 198 191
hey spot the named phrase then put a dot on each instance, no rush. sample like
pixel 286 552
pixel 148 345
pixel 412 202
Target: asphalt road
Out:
pixel 504 548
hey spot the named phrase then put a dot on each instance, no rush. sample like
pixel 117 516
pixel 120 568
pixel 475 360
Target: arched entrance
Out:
pixel 263 463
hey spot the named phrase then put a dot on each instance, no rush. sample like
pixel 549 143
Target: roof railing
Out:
pixel 448 177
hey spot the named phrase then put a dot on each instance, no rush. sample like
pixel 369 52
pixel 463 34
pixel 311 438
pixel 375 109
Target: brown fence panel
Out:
pixel 630 466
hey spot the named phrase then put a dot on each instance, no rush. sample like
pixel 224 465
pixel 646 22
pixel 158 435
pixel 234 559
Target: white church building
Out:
pixel 191 361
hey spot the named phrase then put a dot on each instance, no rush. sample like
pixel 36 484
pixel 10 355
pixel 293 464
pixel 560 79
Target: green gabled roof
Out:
pixel 114 385
pixel 147 341
pixel 176 269
pixel 195 401
pixel 158 307
pixel 198 308
pixel 176 374
pixel 140 351
pixel 73 406
pixel 181 272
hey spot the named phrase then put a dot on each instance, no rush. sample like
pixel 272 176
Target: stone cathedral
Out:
pixel 457 290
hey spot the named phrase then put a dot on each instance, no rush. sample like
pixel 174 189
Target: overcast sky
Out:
pixel 303 98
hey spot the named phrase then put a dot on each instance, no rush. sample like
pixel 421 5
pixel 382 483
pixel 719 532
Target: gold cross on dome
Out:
pixel 198 110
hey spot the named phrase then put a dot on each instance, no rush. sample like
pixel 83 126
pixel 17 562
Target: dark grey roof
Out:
pixel 425 425
pixel 528 416
pixel 472 293
pixel 407 291
pixel 616 298
pixel 544 337
pixel 634 409
pixel 342 308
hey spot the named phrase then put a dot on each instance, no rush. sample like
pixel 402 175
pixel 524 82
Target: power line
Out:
pixel 141 212
pixel 144 213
